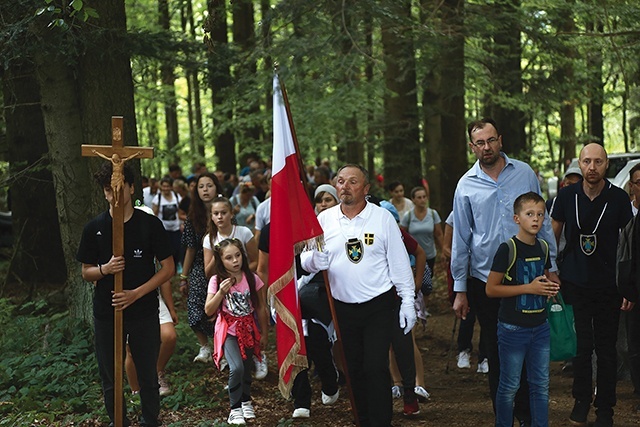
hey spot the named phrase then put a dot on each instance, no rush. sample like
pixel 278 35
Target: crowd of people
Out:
pixel 499 247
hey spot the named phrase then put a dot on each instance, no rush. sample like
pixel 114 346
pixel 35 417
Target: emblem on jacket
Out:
pixel 368 239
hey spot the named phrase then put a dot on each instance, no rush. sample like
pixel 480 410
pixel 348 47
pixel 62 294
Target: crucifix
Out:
pixel 117 154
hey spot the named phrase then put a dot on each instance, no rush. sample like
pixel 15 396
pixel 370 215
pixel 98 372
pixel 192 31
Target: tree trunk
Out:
pixel 244 37
pixel 219 80
pixel 75 196
pixel 431 112
pixel 596 88
pixel 193 80
pixel 453 143
pixel 354 146
pixel 506 75
pixel 401 148
pixel 33 205
pixel 565 73
pixel 169 90
pixel 77 106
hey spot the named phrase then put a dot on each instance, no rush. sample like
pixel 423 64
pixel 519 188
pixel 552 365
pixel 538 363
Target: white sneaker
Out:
pixel 204 355
pixel 301 413
pixel 396 392
pixel 223 364
pixel 261 367
pixel 164 389
pixel 483 367
pixel 463 360
pixel 421 392
pixel 236 418
pixel 247 410
pixel 330 400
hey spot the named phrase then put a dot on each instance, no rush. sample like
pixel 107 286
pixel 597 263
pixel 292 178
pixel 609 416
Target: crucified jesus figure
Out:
pixel 117 179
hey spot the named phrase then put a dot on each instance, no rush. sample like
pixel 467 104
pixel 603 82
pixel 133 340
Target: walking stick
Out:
pixel 343 360
pixel 453 335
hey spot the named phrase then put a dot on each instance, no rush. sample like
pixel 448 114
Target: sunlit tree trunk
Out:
pixel 168 78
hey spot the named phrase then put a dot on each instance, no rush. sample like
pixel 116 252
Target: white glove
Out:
pixel 407 315
pixel 314 261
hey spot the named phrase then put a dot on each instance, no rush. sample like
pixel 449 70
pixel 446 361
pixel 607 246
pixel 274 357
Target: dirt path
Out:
pixel 459 397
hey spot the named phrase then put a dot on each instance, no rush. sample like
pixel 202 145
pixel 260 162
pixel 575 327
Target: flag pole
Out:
pixel 332 308
pixel 302 169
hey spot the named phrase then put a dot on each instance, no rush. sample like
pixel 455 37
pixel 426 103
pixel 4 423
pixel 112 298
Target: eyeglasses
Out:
pixel 637 182
pixel 481 143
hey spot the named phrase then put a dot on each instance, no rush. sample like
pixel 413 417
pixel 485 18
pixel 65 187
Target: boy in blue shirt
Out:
pixel 518 277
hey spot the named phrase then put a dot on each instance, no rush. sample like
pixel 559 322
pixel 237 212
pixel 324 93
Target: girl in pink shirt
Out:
pixel 234 293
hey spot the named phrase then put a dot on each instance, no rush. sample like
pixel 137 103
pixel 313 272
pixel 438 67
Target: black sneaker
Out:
pixel 579 413
pixel 604 417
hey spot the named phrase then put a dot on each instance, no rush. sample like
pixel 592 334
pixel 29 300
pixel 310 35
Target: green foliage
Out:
pixel 48 367
pixel 66 17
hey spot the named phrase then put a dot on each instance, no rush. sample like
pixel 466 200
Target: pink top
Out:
pixel 238 301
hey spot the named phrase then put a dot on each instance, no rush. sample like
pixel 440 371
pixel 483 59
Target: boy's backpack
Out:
pixel 625 265
pixel 513 253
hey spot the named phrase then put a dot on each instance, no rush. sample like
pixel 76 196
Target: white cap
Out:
pixel 572 171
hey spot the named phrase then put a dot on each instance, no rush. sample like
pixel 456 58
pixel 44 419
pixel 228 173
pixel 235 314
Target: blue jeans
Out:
pixel 517 344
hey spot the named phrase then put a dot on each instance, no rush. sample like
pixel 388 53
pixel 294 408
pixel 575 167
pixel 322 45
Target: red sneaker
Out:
pixel 411 408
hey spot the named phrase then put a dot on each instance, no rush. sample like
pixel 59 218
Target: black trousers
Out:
pixel 402 345
pixel 465 335
pixel 366 336
pixel 318 353
pixel 632 322
pixel 596 313
pixel 144 342
pixel 487 314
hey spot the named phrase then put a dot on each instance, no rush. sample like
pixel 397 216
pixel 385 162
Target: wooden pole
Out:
pixel 124 153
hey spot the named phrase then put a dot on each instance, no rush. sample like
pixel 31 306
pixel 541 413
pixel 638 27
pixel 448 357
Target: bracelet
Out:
pixel 100 268
pixel 184 277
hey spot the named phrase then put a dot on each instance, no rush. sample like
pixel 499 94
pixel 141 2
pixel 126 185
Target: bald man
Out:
pixel 592 212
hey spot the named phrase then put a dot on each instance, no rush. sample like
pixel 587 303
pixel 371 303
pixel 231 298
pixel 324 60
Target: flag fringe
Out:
pixel 315 243
pixel 292 360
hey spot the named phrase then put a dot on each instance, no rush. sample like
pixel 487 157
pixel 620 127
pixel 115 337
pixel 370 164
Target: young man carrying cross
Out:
pixel 144 240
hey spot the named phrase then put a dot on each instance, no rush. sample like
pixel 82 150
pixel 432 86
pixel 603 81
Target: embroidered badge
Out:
pixel 588 243
pixel 368 239
pixel 354 250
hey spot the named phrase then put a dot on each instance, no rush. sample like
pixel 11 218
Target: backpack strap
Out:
pixel 512 257
pixel 545 245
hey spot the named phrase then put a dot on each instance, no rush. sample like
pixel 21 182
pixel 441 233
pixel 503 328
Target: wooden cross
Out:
pixel 117 154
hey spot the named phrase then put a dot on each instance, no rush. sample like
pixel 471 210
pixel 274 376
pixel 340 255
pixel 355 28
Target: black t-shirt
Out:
pixel 526 310
pixel 607 214
pixel 144 240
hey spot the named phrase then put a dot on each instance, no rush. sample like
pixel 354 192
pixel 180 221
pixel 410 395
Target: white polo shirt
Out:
pixel 366 255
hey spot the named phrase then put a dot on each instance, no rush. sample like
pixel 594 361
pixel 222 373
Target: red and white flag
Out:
pixel 293 227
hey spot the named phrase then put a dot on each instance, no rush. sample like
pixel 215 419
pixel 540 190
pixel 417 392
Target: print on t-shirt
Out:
pixel 527 270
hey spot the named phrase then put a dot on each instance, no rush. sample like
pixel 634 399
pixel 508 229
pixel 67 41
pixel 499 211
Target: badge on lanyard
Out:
pixel 355 250
pixel 588 243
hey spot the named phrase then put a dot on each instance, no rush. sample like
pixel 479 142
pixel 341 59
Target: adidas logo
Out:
pixel 99 233
pixel 137 253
